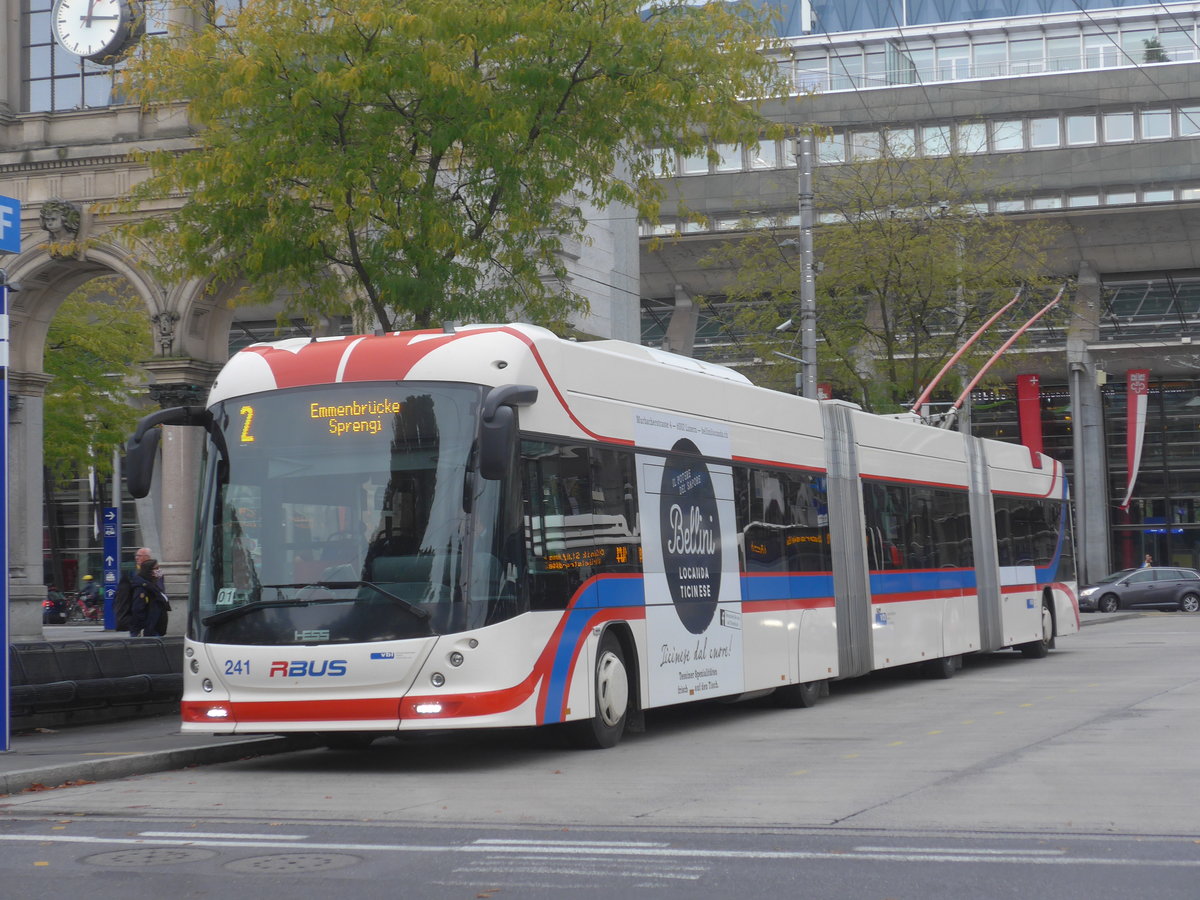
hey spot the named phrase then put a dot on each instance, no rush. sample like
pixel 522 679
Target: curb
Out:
pixel 61 774
pixel 1100 618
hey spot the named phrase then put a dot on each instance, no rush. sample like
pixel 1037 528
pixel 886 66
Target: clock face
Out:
pixel 93 29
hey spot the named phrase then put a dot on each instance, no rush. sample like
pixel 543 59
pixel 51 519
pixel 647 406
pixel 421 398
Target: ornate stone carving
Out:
pixel 169 395
pixel 62 220
pixel 164 326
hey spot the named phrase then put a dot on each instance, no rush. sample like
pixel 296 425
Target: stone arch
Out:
pixel 185 360
pixel 45 280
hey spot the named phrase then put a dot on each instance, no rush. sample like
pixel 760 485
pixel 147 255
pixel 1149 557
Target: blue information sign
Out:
pixel 110 528
pixel 10 225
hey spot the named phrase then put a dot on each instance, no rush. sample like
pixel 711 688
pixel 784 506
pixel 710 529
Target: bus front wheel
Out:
pixel 607 724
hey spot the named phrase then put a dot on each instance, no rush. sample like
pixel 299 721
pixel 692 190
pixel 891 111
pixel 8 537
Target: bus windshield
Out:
pixel 350 513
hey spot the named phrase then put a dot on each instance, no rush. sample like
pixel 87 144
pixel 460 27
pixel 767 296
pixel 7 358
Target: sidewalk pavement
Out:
pixel 50 758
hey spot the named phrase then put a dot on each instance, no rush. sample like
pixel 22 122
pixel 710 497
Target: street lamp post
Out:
pixel 808 287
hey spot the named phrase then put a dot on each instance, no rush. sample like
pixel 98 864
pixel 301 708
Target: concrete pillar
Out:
pixel 10 57
pixel 27 589
pixel 681 330
pixel 178 382
pixel 1090 487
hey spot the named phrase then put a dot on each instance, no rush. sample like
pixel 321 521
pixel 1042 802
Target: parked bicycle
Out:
pixel 81 609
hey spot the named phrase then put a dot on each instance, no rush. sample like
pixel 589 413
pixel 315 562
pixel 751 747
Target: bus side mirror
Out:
pixel 139 463
pixel 498 427
pixel 142 447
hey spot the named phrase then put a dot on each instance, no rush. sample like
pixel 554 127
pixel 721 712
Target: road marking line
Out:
pixel 965 856
pixel 220 834
pixel 956 850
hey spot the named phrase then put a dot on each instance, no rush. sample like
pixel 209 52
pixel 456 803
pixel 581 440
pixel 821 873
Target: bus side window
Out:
pixel 806 531
pixel 618 538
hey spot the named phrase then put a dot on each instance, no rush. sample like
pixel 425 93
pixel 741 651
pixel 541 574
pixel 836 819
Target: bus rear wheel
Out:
pixel 1041 648
pixel 606 726
pixel 798 696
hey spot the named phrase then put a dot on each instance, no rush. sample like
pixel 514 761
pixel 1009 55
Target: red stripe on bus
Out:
pixel 760 606
pixel 909 597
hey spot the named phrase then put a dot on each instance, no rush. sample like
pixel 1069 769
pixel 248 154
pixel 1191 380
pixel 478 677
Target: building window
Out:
pixel 1118 127
pixel 830 149
pixel 694 164
pixel 972 137
pixel 1189 121
pixel 1007 135
pixel 765 156
pixel 54 79
pixel 1115 198
pixel 864 144
pixel 1054 202
pixel 729 158
pixel 1159 195
pixel 1156 124
pixel 1083 200
pixel 935 139
pixel 901 142
pixel 1081 129
pixel 1044 132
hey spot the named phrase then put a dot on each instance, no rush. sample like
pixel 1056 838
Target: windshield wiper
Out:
pixel 237 612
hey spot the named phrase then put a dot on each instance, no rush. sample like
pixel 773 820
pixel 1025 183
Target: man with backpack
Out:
pixel 121 602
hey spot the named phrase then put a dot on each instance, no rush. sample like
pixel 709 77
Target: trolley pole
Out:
pixel 808 286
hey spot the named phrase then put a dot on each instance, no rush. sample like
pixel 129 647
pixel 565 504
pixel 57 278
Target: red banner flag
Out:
pixel 1137 396
pixel 1029 411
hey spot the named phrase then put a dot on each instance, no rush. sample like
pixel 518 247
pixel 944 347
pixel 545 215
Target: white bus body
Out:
pixel 659 528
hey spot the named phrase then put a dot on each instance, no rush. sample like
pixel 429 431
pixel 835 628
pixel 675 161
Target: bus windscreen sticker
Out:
pixel 690 567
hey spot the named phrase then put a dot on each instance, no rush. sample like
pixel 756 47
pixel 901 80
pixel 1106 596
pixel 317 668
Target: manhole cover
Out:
pixel 292 862
pixel 150 856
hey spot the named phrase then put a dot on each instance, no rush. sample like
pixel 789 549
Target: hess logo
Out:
pixel 307 668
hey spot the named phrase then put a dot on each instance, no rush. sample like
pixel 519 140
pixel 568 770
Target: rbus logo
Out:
pixel 690 529
pixel 307 668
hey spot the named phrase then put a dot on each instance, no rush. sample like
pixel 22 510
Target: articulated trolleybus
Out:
pixel 494 527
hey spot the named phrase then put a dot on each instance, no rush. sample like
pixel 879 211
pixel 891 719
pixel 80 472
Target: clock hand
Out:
pixel 87 18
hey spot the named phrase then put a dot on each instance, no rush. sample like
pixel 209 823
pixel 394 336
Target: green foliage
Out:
pixel 424 160
pixel 94 340
pixel 909 268
pixel 1154 51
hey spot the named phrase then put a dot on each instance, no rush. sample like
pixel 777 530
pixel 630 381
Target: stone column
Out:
pixel 1090 486
pixel 178 382
pixel 27 588
pixel 10 57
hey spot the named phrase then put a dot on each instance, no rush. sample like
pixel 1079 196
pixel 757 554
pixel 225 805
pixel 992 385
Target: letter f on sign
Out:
pixel 10 225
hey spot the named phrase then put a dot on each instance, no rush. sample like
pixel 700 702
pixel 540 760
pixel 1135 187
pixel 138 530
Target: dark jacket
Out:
pixel 148 608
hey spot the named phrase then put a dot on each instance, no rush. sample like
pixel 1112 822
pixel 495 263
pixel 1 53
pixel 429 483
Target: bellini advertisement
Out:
pixel 690 561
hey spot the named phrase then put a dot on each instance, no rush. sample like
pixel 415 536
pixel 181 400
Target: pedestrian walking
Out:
pixel 148 604
pixel 124 593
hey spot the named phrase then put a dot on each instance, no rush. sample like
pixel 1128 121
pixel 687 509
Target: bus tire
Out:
pixel 944 667
pixel 1040 649
pixel 605 728
pixel 798 696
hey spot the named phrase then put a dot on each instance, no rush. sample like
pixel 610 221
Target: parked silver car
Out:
pixel 1154 587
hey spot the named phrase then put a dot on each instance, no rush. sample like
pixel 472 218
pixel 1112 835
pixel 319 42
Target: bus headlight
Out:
pixel 456 659
pixel 437 679
pixel 207 685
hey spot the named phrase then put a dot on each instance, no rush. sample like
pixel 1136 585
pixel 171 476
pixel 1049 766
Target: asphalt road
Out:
pixel 1073 776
